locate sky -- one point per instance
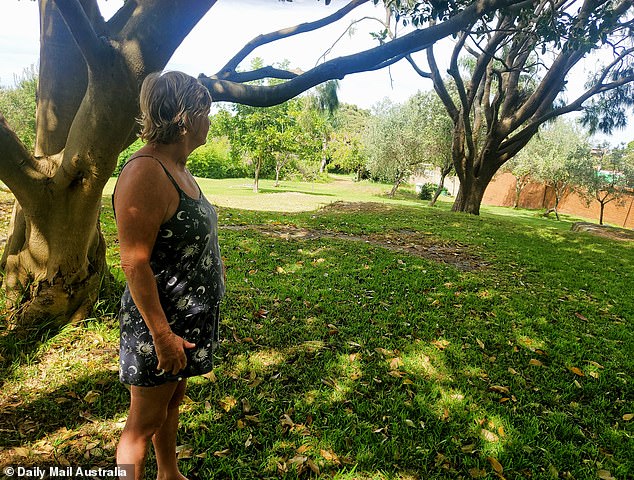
(231, 23)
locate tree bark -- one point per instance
(469, 197)
(256, 180)
(441, 183)
(601, 213)
(397, 183)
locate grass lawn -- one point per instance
(383, 340)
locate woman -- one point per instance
(168, 238)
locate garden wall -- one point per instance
(501, 192)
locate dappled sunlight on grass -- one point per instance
(391, 366)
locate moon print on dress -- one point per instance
(189, 274)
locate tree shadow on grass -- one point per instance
(18, 346)
(48, 427)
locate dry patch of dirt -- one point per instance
(406, 241)
(613, 233)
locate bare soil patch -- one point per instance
(419, 244)
(406, 241)
(606, 231)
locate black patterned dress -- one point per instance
(188, 269)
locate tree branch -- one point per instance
(288, 32)
(259, 74)
(81, 29)
(329, 49)
(17, 166)
(150, 31)
(441, 88)
(338, 68)
(416, 68)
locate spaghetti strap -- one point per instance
(169, 175)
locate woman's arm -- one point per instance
(144, 199)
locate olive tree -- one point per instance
(611, 180)
(561, 157)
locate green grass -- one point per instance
(358, 360)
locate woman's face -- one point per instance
(199, 129)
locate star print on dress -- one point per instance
(187, 265)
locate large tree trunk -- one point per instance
(474, 181)
(90, 71)
(54, 264)
(469, 197)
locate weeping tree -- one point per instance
(89, 76)
(522, 58)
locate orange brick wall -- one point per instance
(501, 192)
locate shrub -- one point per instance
(426, 191)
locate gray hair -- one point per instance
(169, 102)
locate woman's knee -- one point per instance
(146, 424)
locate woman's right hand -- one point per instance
(170, 350)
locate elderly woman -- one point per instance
(171, 259)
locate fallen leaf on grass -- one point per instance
(605, 475)
(580, 317)
(287, 421)
(536, 363)
(297, 460)
(440, 344)
(184, 451)
(91, 396)
(577, 371)
(500, 389)
(302, 449)
(88, 416)
(396, 363)
(628, 416)
(384, 352)
(222, 453)
(489, 436)
(228, 403)
(497, 466)
(330, 456)
(480, 343)
(313, 466)
(477, 473)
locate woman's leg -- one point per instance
(148, 413)
(164, 439)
